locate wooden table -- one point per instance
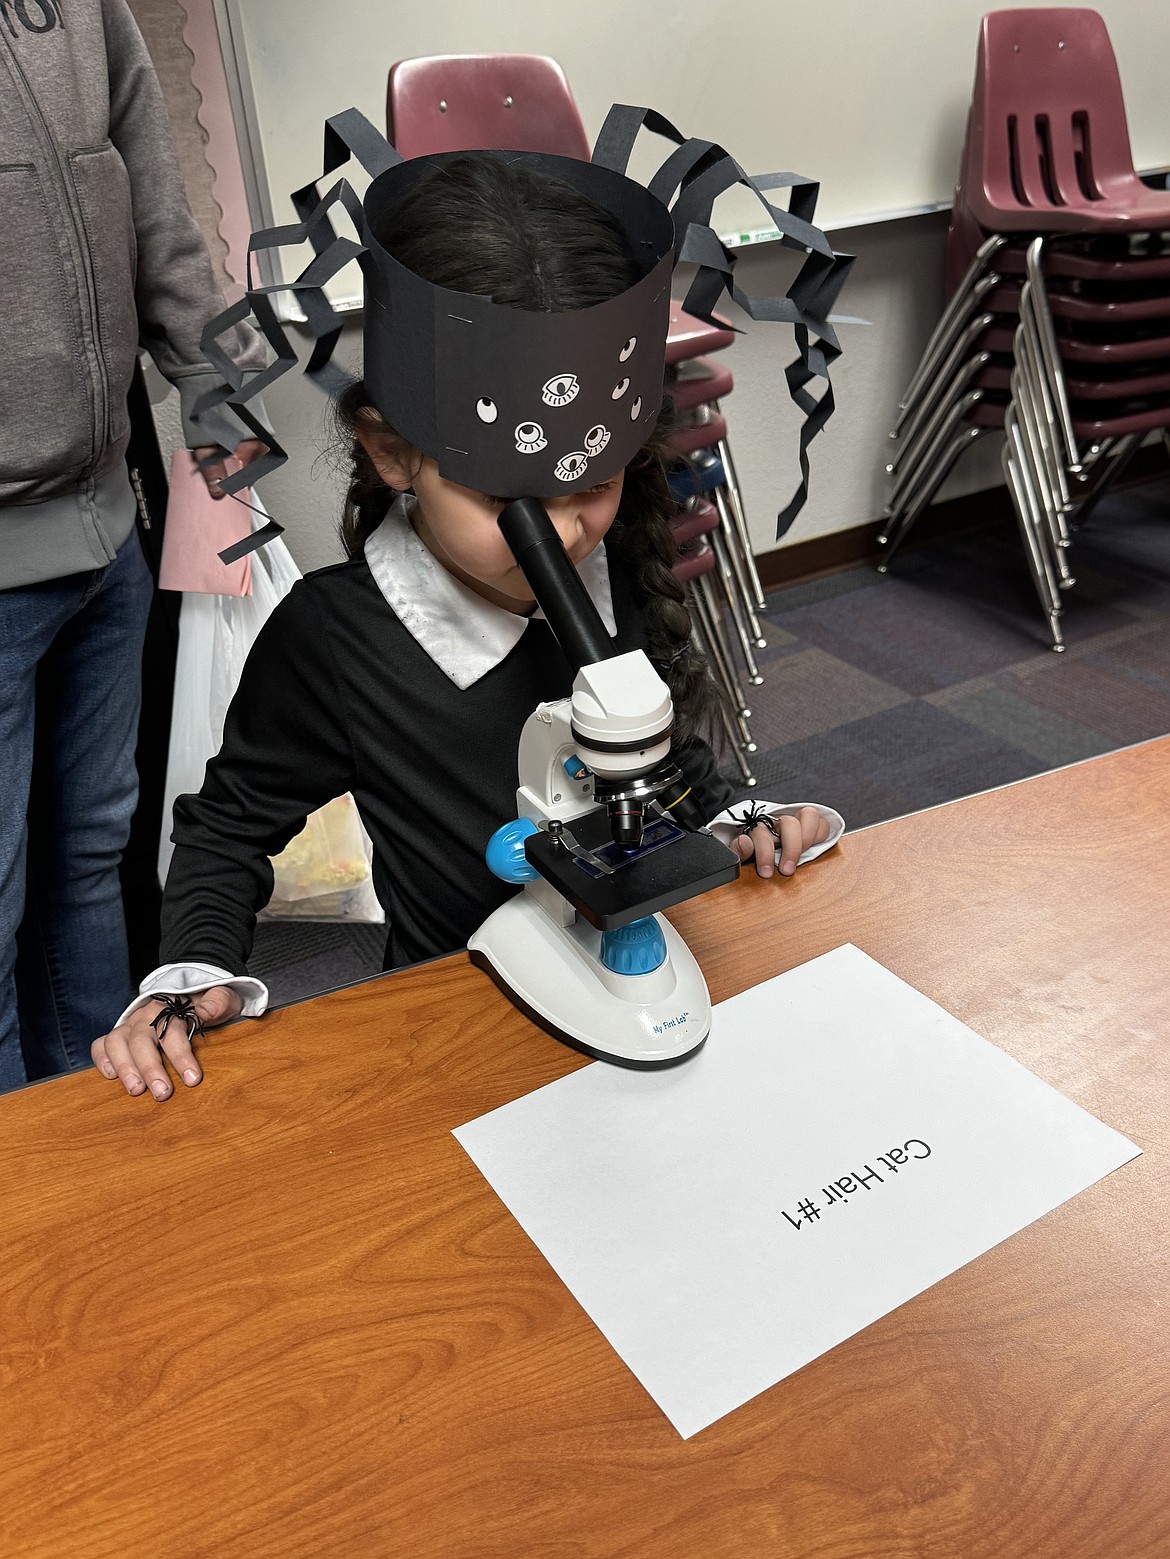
(283, 1317)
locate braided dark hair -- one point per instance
(529, 241)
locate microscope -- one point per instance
(607, 836)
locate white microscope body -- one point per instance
(547, 956)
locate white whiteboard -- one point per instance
(868, 96)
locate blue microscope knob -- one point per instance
(634, 949)
(505, 851)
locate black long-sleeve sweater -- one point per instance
(338, 696)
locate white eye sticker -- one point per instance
(596, 439)
(486, 411)
(636, 409)
(571, 468)
(560, 390)
(627, 349)
(619, 390)
(530, 438)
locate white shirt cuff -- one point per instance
(193, 980)
(729, 823)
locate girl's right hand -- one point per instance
(133, 1052)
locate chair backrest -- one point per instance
(481, 102)
(1047, 130)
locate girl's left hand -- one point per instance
(797, 834)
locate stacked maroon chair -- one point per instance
(1058, 264)
(522, 102)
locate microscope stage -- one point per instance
(650, 881)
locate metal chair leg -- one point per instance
(895, 533)
(1046, 332)
(1029, 356)
(946, 333)
(735, 728)
(734, 723)
(969, 292)
(738, 514)
(749, 778)
(721, 649)
(739, 622)
(735, 558)
(1034, 509)
(1125, 449)
(1015, 471)
(1036, 450)
(934, 438)
(964, 349)
(1096, 453)
(701, 637)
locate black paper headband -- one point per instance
(524, 404)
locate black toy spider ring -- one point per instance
(180, 1007)
(753, 816)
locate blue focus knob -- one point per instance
(634, 949)
(505, 851)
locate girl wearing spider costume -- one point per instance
(404, 674)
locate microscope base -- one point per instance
(554, 975)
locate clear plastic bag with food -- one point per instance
(324, 873)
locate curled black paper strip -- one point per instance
(700, 171)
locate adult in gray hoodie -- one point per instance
(98, 254)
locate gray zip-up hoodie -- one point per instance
(98, 253)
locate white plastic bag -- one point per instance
(324, 874)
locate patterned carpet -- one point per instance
(886, 694)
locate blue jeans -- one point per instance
(70, 690)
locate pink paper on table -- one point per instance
(198, 528)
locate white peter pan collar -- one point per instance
(463, 634)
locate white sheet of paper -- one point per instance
(670, 1202)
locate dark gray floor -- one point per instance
(883, 695)
(300, 958)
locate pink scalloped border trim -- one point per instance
(201, 36)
